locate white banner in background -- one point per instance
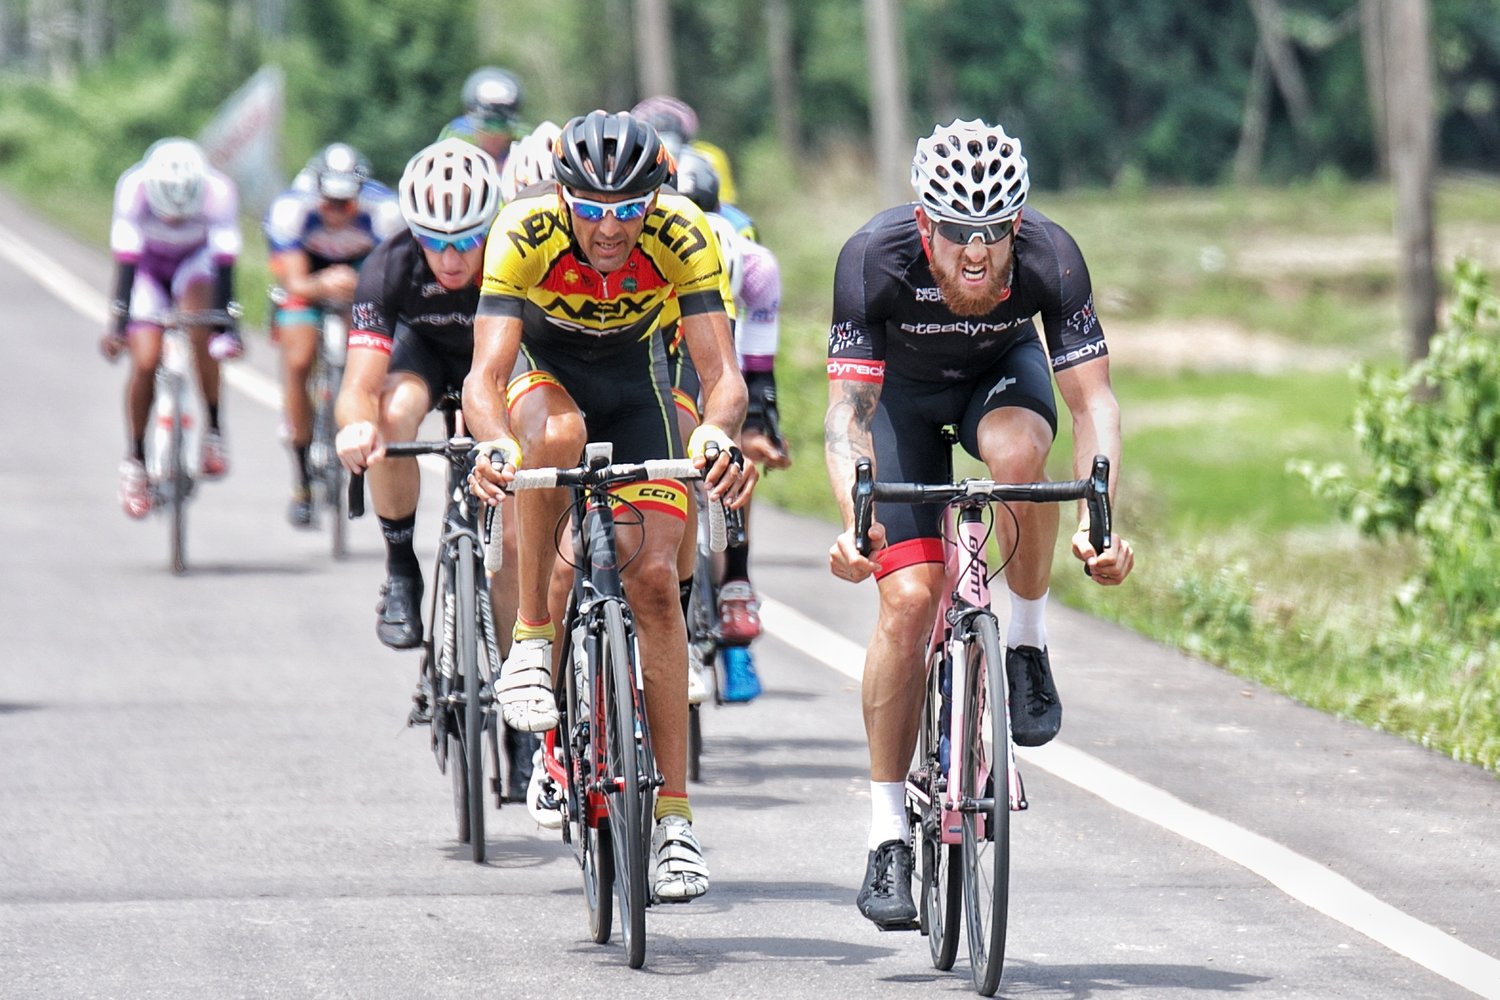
(243, 139)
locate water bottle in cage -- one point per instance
(175, 381)
(335, 338)
(581, 667)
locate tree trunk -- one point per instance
(1247, 158)
(785, 96)
(1283, 63)
(889, 107)
(1409, 99)
(653, 48)
(1372, 45)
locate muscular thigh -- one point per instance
(624, 395)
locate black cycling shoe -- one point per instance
(1035, 711)
(400, 610)
(885, 897)
(300, 511)
(520, 747)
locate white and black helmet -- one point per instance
(451, 188)
(175, 175)
(968, 171)
(731, 251)
(530, 161)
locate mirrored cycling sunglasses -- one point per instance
(463, 244)
(593, 211)
(964, 233)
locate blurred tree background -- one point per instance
(1138, 91)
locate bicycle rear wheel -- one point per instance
(625, 786)
(986, 816)
(942, 886)
(466, 630)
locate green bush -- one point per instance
(1432, 434)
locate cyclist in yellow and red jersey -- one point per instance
(567, 350)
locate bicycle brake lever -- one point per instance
(1098, 505)
(864, 504)
(356, 495)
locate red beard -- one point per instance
(966, 300)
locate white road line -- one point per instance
(1301, 878)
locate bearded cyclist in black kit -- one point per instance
(933, 326)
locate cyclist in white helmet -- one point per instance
(318, 231)
(175, 238)
(529, 162)
(933, 326)
(411, 339)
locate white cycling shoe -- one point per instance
(678, 871)
(524, 690)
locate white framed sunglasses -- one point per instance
(595, 211)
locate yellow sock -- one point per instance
(533, 630)
(673, 805)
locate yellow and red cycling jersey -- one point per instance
(530, 259)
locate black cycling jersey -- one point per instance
(888, 312)
(397, 290)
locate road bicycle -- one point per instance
(173, 454)
(460, 650)
(705, 644)
(600, 755)
(328, 474)
(964, 749)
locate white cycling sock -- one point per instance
(888, 813)
(1028, 621)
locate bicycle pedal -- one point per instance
(905, 925)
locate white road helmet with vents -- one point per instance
(175, 174)
(530, 161)
(449, 189)
(730, 250)
(968, 171)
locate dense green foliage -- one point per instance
(1101, 93)
(1432, 435)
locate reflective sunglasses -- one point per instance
(463, 244)
(594, 211)
(964, 233)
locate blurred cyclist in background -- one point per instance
(492, 109)
(755, 285)
(677, 124)
(175, 237)
(319, 231)
(529, 162)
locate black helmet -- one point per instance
(697, 179)
(610, 154)
(492, 95)
(340, 170)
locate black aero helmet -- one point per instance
(492, 95)
(610, 154)
(697, 180)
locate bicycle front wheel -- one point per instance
(177, 489)
(626, 788)
(986, 804)
(466, 630)
(942, 887)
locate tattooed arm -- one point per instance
(846, 439)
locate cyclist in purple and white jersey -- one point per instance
(175, 237)
(932, 327)
(319, 231)
(755, 286)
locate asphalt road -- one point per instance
(207, 790)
